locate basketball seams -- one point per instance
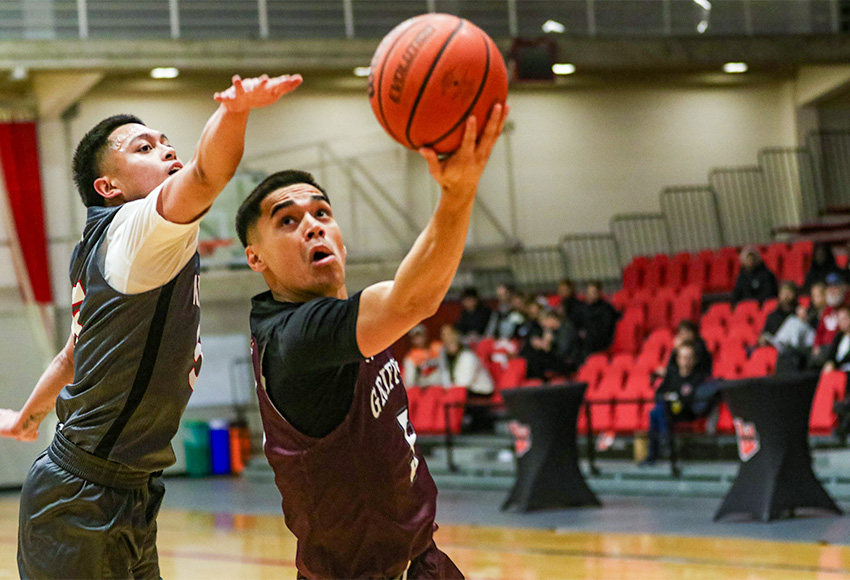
(427, 78)
(474, 101)
(380, 91)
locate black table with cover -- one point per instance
(771, 417)
(544, 429)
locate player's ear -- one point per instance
(255, 262)
(105, 188)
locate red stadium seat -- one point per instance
(721, 272)
(841, 260)
(797, 262)
(762, 362)
(830, 388)
(656, 349)
(430, 406)
(629, 331)
(514, 374)
(713, 335)
(632, 416)
(729, 363)
(642, 299)
(718, 313)
(623, 363)
(455, 399)
(655, 275)
(686, 305)
(413, 396)
(774, 257)
(620, 299)
(660, 309)
(634, 273)
(743, 334)
(746, 312)
(592, 369)
(677, 270)
(608, 388)
(698, 269)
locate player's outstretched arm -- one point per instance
(191, 191)
(23, 425)
(389, 309)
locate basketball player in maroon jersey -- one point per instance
(356, 491)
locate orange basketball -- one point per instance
(429, 74)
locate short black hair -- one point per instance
(249, 211)
(689, 325)
(470, 292)
(88, 158)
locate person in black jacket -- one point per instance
(838, 358)
(688, 332)
(823, 264)
(676, 398)
(755, 280)
(570, 306)
(599, 320)
(474, 316)
(785, 307)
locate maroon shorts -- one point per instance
(432, 564)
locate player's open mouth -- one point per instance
(321, 257)
(175, 168)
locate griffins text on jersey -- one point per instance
(388, 377)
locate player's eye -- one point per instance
(145, 148)
(323, 213)
(287, 221)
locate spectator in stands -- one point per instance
(838, 353)
(474, 316)
(460, 367)
(688, 333)
(599, 320)
(755, 280)
(531, 324)
(508, 315)
(823, 264)
(419, 366)
(817, 304)
(793, 341)
(678, 399)
(836, 294)
(569, 305)
(547, 350)
(785, 307)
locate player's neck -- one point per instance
(302, 295)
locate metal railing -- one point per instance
(830, 152)
(692, 220)
(591, 257)
(640, 234)
(537, 269)
(743, 207)
(272, 19)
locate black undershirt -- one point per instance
(310, 358)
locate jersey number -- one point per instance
(410, 437)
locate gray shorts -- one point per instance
(70, 527)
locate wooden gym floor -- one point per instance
(211, 541)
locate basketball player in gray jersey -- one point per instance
(356, 491)
(90, 501)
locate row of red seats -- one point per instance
(713, 271)
(427, 409)
(662, 308)
(627, 379)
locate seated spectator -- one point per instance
(599, 320)
(550, 350)
(688, 333)
(460, 367)
(531, 324)
(474, 316)
(838, 353)
(569, 305)
(836, 295)
(817, 303)
(823, 264)
(755, 280)
(785, 307)
(419, 366)
(793, 341)
(508, 316)
(678, 398)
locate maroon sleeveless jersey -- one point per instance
(360, 500)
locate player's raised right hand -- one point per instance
(253, 93)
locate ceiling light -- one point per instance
(164, 72)
(704, 4)
(361, 71)
(553, 26)
(563, 68)
(735, 67)
(702, 26)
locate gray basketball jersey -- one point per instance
(136, 358)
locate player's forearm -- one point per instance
(425, 274)
(42, 400)
(219, 151)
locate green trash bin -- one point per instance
(196, 440)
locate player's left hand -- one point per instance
(459, 174)
(11, 426)
(253, 93)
